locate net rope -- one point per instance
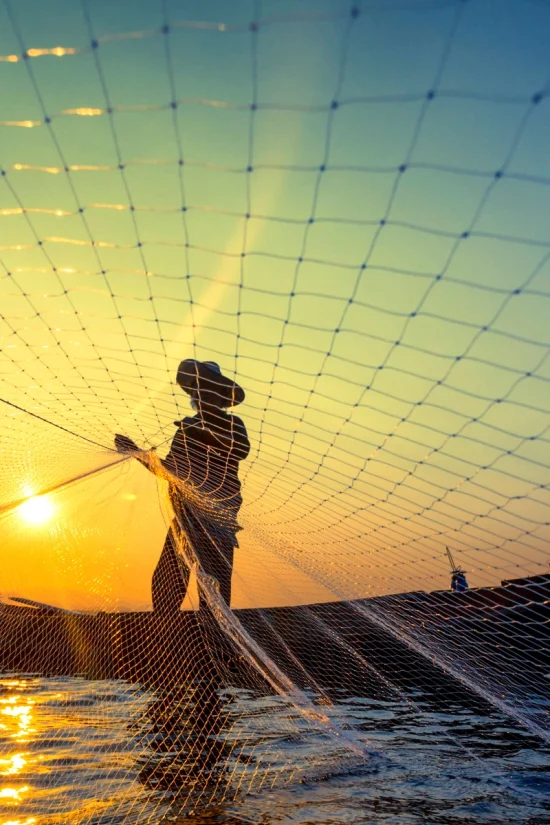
(362, 247)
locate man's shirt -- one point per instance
(211, 466)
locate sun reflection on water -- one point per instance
(16, 713)
(13, 764)
(13, 793)
(59, 740)
(29, 821)
(21, 710)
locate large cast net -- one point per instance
(345, 206)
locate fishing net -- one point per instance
(344, 206)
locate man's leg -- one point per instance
(216, 559)
(224, 570)
(170, 579)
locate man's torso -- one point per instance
(211, 470)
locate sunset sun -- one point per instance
(36, 510)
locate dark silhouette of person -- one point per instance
(458, 581)
(205, 489)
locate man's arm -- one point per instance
(125, 445)
(233, 441)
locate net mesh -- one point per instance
(344, 206)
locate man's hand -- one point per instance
(124, 444)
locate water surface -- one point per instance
(79, 751)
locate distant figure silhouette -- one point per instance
(458, 581)
(206, 451)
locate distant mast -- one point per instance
(458, 576)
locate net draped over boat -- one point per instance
(345, 206)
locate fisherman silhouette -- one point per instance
(458, 581)
(205, 454)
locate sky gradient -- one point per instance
(346, 206)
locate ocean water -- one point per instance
(79, 751)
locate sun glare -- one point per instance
(36, 510)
